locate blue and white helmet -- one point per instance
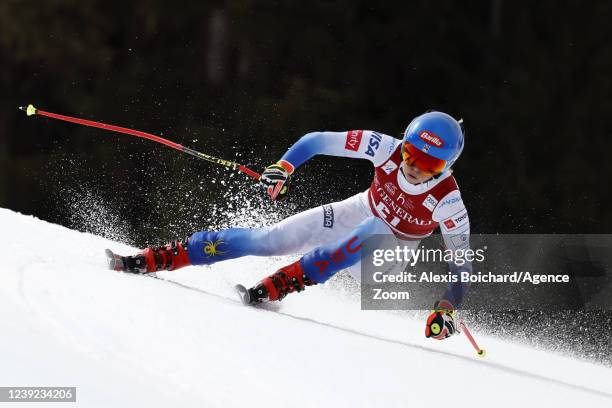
(434, 140)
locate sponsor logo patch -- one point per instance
(461, 218)
(390, 187)
(389, 166)
(353, 140)
(373, 144)
(405, 201)
(431, 138)
(455, 222)
(392, 146)
(211, 248)
(450, 201)
(328, 216)
(460, 241)
(449, 224)
(430, 202)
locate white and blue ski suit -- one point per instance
(331, 236)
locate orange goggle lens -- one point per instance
(414, 157)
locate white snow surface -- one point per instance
(126, 340)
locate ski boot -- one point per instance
(288, 279)
(153, 259)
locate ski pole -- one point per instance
(31, 110)
(480, 352)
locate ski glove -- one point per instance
(441, 322)
(275, 179)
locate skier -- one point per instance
(413, 193)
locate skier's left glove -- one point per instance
(275, 179)
(441, 322)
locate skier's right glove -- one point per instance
(441, 322)
(275, 179)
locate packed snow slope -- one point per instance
(127, 341)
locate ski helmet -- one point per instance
(433, 141)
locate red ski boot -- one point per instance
(288, 279)
(153, 259)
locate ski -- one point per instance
(127, 264)
(114, 261)
(243, 293)
(256, 296)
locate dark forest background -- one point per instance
(244, 79)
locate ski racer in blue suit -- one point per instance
(412, 194)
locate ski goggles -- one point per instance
(424, 162)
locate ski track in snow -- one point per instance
(472, 360)
(185, 340)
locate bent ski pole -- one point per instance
(31, 110)
(480, 352)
